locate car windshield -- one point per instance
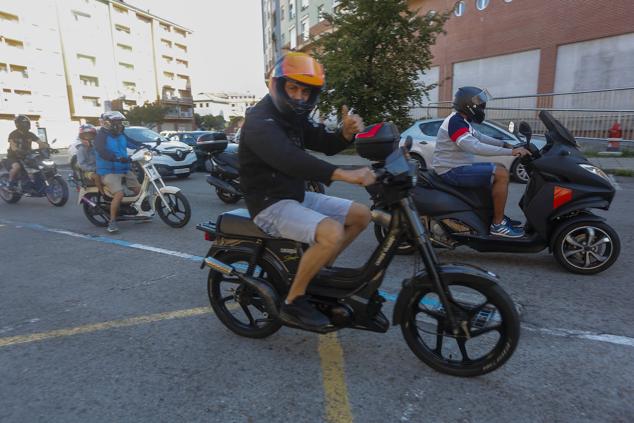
(141, 134)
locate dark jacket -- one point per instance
(23, 141)
(273, 163)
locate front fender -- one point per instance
(449, 273)
(169, 190)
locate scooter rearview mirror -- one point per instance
(526, 130)
(512, 127)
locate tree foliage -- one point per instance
(210, 122)
(149, 114)
(373, 58)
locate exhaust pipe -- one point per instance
(223, 185)
(263, 290)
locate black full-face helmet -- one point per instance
(22, 123)
(471, 101)
(303, 70)
(114, 122)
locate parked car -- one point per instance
(191, 137)
(423, 133)
(176, 158)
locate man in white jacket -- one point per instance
(458, 142)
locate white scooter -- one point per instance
(154, 197)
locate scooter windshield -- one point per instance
(558, 132)
(396, 163)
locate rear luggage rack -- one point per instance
(209, 228)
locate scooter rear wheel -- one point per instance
(227, 197)
(99, 214)
(237, 307)
(486, 311)
(7, 195)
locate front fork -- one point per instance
(430, 260)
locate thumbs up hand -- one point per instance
(351, 123)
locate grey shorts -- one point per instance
(291, 219)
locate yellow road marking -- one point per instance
(178, 314)
(335, 390)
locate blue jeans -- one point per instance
(470, 176)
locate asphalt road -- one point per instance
(98, 327)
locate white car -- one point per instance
(423, 133)
(176, 158)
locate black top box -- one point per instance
(377, 141)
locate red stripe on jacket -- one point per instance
(458, 134)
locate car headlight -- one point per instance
(48, 162)
(147, 156)
(596, 171)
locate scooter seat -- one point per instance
(475, 197)
(238, 223)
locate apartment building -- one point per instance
(224, 104)
(512, 47)
(71, 60)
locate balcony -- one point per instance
(179, 114)
(167, 99)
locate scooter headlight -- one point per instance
(596, 171)
(48, 163)
(147, 156)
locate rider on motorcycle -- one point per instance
(113, 163)
(86, 157)
(20, 141)
(274, 167)
(458, 142)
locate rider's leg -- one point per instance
(132, 182)
(357, 219)
(114, 205)
(499, 191)
(14, 172)
(329, 237)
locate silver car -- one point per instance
(423, 133)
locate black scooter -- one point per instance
(455, 318)
(224, 170)
(563, 187)
(39, 178)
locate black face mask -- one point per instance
(476, 113)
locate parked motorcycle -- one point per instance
(455, 318)
(564, 186)
(224, 169)
(39, 178)
(154, 197)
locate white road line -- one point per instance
(566, 333)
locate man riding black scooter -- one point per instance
(458, 142)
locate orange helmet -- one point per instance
(302, 69)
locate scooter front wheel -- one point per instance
(587, 247)
(489, 326)
(6, 194)
(57, 191)
(176, 211)
(404, 247)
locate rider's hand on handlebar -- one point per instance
(520, 151)
(363, 176)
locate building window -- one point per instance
(8, 17)
(166, 43)
(282, 12)
(168, 75)
(292, 33)
(507, 1)
(129, 85)
(320, 13)
(91, 101)
(180, 32)
(181, 47)
(3, 68)
(122, 28)
(305, 29)
(181, 62)
(21, 70)
(459, 10)
(206, 104)
(124, 47)
(165, 27)
(22, 92)
(305, 4)
(13, 43)
(291, 9)
(127, 66)
(167, 59)
(86, 59)
(482, 4)
(89, 81)
(120, 10)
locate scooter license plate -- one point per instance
(153, 173)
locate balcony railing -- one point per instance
(177, 100)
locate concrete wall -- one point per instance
(505, 75)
